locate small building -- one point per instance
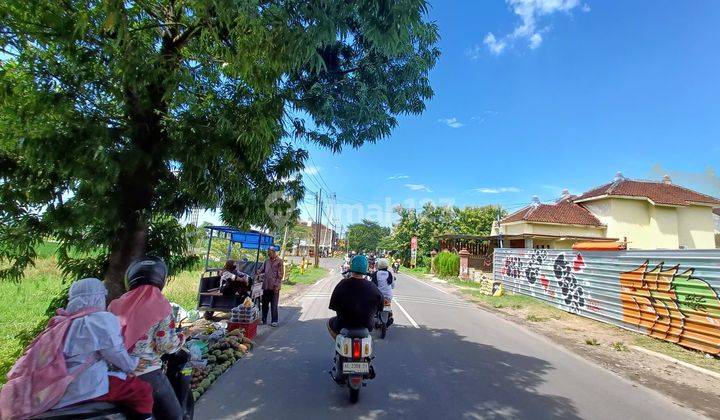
(646, 214)
(305, 244)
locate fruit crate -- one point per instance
(250, 328)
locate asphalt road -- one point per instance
(444, 358)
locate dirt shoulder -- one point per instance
(609, 346)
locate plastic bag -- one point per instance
(179, 313)
(197, 349)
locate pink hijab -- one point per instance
(138, 310)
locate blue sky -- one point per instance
(563, 94)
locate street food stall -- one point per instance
(210, 298)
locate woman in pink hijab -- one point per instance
(148, 326)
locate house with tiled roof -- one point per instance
(646, 214)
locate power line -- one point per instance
(319, 174)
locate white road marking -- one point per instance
(428, 285)
(407, 315)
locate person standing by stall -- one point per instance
(272, 271)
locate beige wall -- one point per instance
(602, 209)
(551, 229)
(663, 230)
(525, 228)
(658, 227)
(696, 227)
(629, 218)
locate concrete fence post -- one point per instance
(464, 263)
(433, 254)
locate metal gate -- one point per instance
(667, 294)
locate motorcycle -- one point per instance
(352, 364)
(383, 319)
(396, 267)
(177, 372)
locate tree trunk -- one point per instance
(141, 174)
(129, 247)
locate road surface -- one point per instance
(444, 358)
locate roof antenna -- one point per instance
(619, 176)
(667, 180)
(535, 200)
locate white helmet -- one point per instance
(382, 264)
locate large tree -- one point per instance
(477, 220)
(432, 221)
(366, 236)
(117, 117)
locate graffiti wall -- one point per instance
(669, 294)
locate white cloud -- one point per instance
(399, 176)
(418, 187)
(535, 41)
(497, 190)
(451, 122)
(496, 47)
(311, 170)
(474, 52)
(529, 30)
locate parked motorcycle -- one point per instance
(383, 319)
(352, 364)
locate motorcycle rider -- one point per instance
(384, 280)
(371, 262)
(355, 300)
(148, 326)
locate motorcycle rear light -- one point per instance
(356, 351)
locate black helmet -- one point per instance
(147, 270)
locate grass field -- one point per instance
(311, 275)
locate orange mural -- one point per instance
(672, 305)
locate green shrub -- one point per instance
(447, 264)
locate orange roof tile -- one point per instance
(658, 192)
(564, 212)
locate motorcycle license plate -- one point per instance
(356, 367)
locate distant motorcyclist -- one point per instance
(396, 265)
(372, 260)
(355, 300)
(384, 280)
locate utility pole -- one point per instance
(318, 215)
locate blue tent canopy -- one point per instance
(247, 240)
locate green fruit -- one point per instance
(211, 377)
(205, 383)
(238, 354)
(196, 395)
(222, 358)
(212, 359)
(232, 360)
(217, 353)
